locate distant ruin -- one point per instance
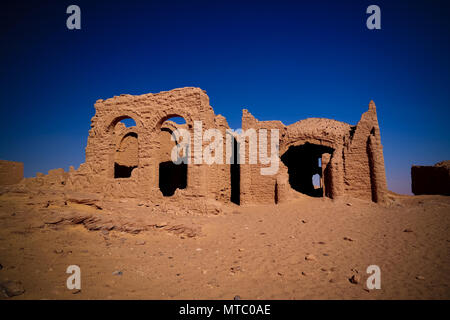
(134, 161)
(431, 179)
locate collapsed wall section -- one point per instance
(364, 174)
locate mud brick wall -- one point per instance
(430, 180)
(134, 161)
(10, 172)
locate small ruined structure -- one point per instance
(431, 179)
(134, 161)
(10, 172)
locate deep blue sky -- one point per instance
(281, 60)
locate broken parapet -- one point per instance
(11, 172)
(431, 179)
(55, 179)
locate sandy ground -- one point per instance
(253, 252)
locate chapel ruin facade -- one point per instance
(134, 161)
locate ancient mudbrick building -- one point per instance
(431, 179)
(134, 161)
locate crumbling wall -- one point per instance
(257, 188)
(54, 179)
(431, 179)
(364, 174)
(150, 112)
(11, 172)
(327, 133)
(221, 186)
(352, 159)
(351, 156)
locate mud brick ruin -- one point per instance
(11, 172)
(134, 162)
(431, 179)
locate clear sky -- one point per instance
(282, 60)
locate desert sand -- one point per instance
(304, 249)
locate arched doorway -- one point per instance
(126, 155)
(171, 176)
(307, 173)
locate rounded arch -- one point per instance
(171, 114)
(172, 176)
(325, 132)
(112, 120)
(126, 155)
(130, 133)
(171, 126)
(284, 146)
(126, 132)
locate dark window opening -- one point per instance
(122, 171)
(126, 156)
(352, 131)
(235, 174)
(276, 193)
(171, 177)
(303, 164)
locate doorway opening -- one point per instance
(235, 173)
(171, 176)
(305, 168)
(126, 157)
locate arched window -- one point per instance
(123, 124)
(126, 156)
(171, 176)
